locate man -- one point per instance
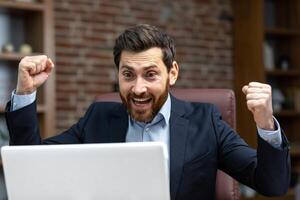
(199, 142)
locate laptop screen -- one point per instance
(132, 171)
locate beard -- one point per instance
(145, 115)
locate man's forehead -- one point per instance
(151, 54)
(145, 59)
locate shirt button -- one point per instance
(147, 129)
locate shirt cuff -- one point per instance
(20, 101)
(272, 137)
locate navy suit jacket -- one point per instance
(200, 143)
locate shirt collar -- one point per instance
(165, 110)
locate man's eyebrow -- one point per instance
(144, 68)
(126, 67)
(150, 67)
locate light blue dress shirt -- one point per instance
(158, 129)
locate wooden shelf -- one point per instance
(33, 24)
(40, 109)
(39, 34)
(11, 56)
(22, 5)
(295, 150)
(14, 56)
(279, 72)
(287, 113)
(282, 32)
(275, 23)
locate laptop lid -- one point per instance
(127, 171)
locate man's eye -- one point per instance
(151, 74)
(127, 75)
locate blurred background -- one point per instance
(219, 43)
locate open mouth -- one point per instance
(141, 101)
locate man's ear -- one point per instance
(173, 73)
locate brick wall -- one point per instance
(85, 31)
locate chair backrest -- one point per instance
(226, 187)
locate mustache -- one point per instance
(143, 95)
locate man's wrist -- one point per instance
(273, 137)
(269, 125)
(20, 92)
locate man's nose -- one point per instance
(139, 87)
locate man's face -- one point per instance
(144, 82)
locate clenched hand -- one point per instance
(33, 72)
(259, 102)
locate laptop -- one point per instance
(127, 171)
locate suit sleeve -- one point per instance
(267, 169)
(23, 128)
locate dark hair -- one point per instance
(143, 37)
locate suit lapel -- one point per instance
(118, 124)
(178, 136)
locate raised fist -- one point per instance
(259, 102)
(33, 72)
